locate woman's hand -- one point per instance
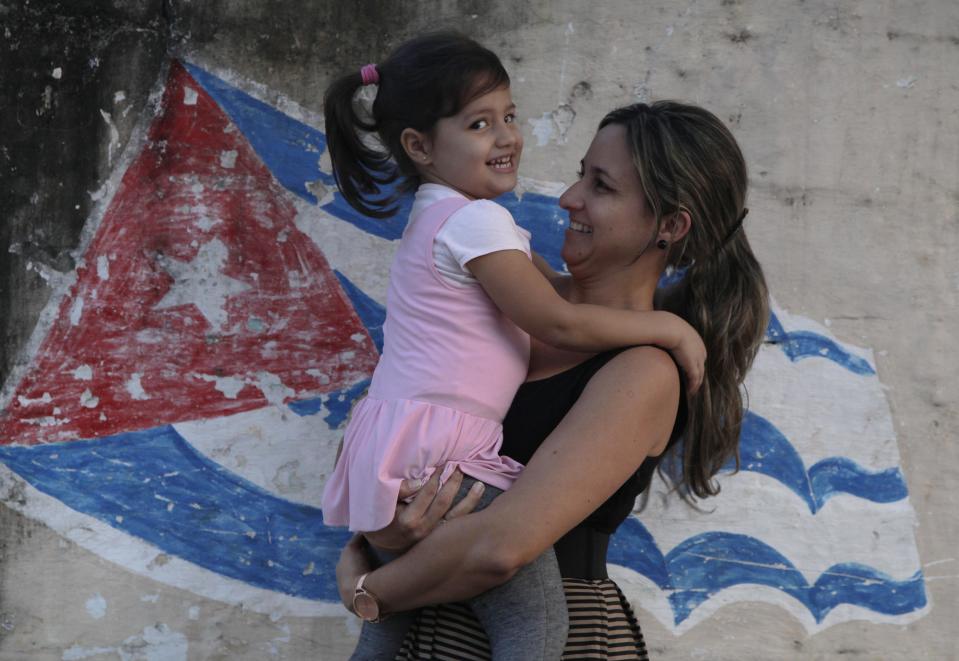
(429, 508)
(354, 562)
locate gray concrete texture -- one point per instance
(848, 113)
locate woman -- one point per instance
(661, 186)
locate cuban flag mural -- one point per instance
(187, 388)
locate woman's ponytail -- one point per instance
(724, 298)
(688, 161)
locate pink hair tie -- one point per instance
(369, 74)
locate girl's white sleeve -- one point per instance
(479, 228)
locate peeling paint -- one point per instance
(76, 311)
(114, 143)
(135, 387)
(103, 267)
(87, 399)
(96, 606)
(906, 83)
(99, 194)
(77, 653)
(319, 375)
(542, 128)
(156, 643)
(206, 223)
(228, 159)
(230, 386)
(46, 398)
(553, 125)
(272, 388)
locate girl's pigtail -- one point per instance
(362, 168)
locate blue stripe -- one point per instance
(337, 404)
(764, 449)
(218, 520)
(806, 344)
(705, 564)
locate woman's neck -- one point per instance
(546, 360)
(614, 292)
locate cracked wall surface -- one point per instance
(846, 113)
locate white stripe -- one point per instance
(278, 450)
(847, 529)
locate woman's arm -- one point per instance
(521, 292)
(625, 413)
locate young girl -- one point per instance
(463, 300)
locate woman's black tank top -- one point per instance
(537, 409)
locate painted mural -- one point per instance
(187, 389)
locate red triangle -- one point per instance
(197, 279)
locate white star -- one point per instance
(202, 283)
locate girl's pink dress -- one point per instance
(451, 364)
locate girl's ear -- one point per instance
(417, 146)
(675, 227)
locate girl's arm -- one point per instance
(625, 413)
(521, 292)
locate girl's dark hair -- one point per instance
(688, 160)
(422, 81)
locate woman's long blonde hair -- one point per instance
(688, 160)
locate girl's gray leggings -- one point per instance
(525, 619)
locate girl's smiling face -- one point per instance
(477, 150)
(610, 223)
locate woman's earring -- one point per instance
(662, 244)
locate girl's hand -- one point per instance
(690, 353)
(353, 563)
(429, 508)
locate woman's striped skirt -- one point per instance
(601, 626)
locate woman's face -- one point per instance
(610, 224)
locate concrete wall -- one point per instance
(182, 289)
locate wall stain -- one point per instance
(741, 37)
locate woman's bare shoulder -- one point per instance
(644, 366)
(638, 392)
